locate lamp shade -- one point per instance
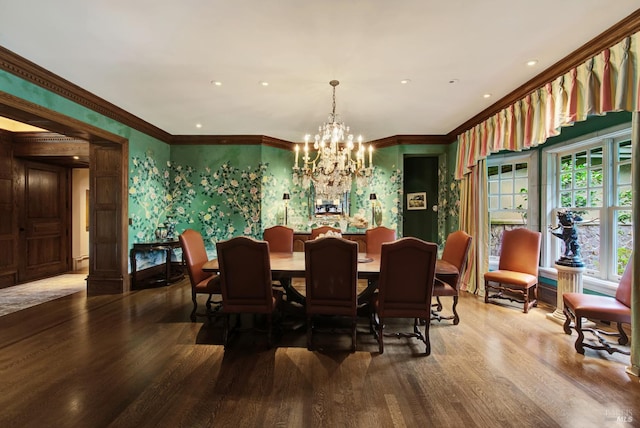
(372, 196)
(286, 197)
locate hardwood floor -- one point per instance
(136, 360)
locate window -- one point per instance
(592, 178)
(510, 203)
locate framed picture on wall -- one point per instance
(417, 201)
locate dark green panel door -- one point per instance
(420, 197)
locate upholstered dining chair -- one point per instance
(517, 272)
(601, 308)
(455, 253)
(280, 239)
(375, 237)
(331, 273)
(195, 255)
(407, 272)
(245, 277)
(322, 230)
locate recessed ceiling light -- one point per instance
(405, 81)
(264, 83)
(454, 81)
(198, 125)
(76, 157)
(487, 95)
(532, 62)
(216, 83)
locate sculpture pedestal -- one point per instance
(569, 281)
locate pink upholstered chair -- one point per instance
(245, 276)
(517, 270)
(195, 255)
(600, 308)
(375, 237)
(407, 272)
(456, 251)
(280, 239)
(331, 266)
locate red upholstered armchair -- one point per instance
(195, 255)
(601, 308)
(280, 239)
(331, 266)
(245, 276)
(377, 236)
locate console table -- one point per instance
(166, 245)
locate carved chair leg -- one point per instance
(526, 300)
(624, 339)
(486, 291)
(195, 306)
(427, 342)
(567, 322)
(225, 331)
(380, 336)
(456, 318)
(439, 306)
(580, 339)
(353, 335)
(535, 296)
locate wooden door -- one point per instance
(43, 220)
(8, 229)
(421, 176)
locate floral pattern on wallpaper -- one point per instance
(387, 185)
(222, 203)
(448, 203)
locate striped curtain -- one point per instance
(609, 81)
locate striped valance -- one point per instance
(609, 81)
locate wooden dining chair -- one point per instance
(322, 230)
(455, 253)
(517, 272)
(600, 308)
(195, 255)
(331, 273)
(245, 277)
(407, 272)
(374, 238)
(280, 239)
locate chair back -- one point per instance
(195, 255)
(377, 236)
(520, 251)
(623, 293)
(280, 239)
(456, 250)
(331, 272)
(245, 275)
(323, 230)
(407, 272)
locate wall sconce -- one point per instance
(373, 198)
(285, 198)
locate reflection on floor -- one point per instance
(13, 299)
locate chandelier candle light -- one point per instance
(337, 163)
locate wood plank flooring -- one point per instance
(135, 360)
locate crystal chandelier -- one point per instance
(337, 162)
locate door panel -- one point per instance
(44, 216)
(8, 229)
(421, 175)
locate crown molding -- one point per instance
(237, 140)
(628, 26)
(31, 72)
(398, 140)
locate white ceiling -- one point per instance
(157, 59)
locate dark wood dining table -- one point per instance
(285, 266)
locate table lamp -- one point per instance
(285, 198)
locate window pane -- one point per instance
(596, 156)
(624, 196)
(595, 198)
(522, 170)
(565, 180)
(624, 151)
(581, 179)
(522, 184)
(522, 202)
(506, 171)
(492, 171)
(506, 202)
(581, 198)
(494, 187)
(589, 239)
(595, 177)
(565, 199)
(581, 160)
(566, 163)
(624, 174)
(624, 240)
(494, 203)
